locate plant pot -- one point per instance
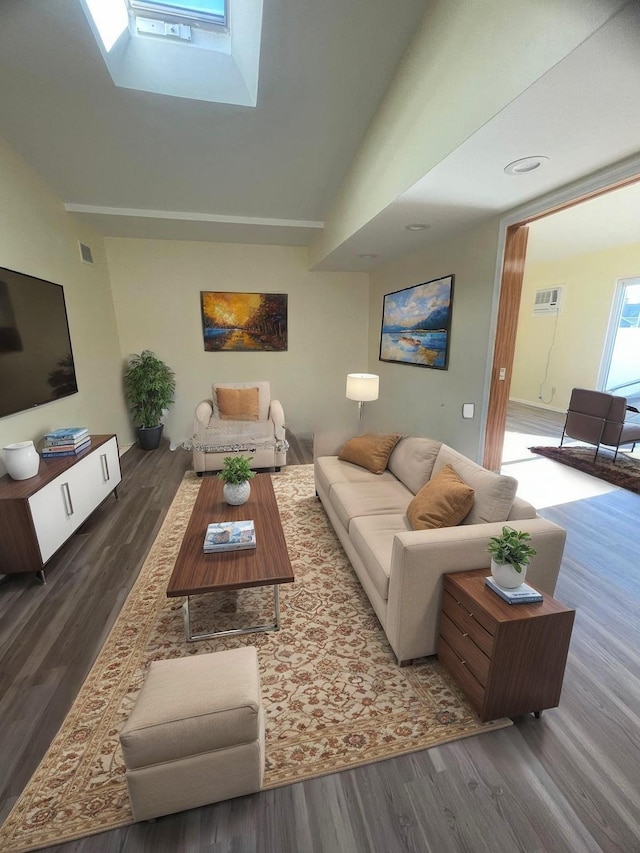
(21, 460)
(236, 493)
(506, 576)
(149, 437)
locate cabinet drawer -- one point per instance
(58, 509)
(462, 644)
(467, 622)
(471, 687)
(472, 606)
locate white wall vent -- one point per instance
(85, 253)
(547, 301)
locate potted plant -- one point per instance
(149, 385)
(236, 473)
(511, 553)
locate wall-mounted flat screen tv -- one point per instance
(36, 359)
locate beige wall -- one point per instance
(429, 402)
(156, 290)
(571, 342)
(38, 238)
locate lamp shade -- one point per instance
(362, 386)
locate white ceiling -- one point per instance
(324, 68)
(269, 174)
(604, 222)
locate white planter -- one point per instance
(21, 460)
(506, 576)
(236, 493)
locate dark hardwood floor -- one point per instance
(569, 781)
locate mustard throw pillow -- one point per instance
(371, 451)
(442, 502)
(238, 404)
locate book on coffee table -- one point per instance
(523, 594)
(229, 536)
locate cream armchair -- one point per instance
(240, 418)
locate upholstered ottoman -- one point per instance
(196, 733)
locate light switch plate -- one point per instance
(468, 410)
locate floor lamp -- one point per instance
(362, 387)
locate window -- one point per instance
(193, 11)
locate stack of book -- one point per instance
(523, 594)
(229, 536)
(68, 441)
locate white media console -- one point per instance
(38, 515)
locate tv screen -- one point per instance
(36, 359)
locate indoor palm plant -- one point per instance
(510, 556)
(149, 385)
(236, 473)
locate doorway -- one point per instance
(506, 325)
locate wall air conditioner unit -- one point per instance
(547, 301)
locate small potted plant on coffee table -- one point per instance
(511, 553)
(235, 474)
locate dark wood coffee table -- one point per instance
(267, 564)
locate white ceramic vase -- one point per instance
(236, 493)
(21, 460)
(506, 576)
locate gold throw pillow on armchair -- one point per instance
(238, 404)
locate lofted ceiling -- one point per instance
(137, 164)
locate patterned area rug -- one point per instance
(624, 472)
(333, 694)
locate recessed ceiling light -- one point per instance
(416, 226)
(525, 165)
(367, 256)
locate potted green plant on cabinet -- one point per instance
(235, 474)
(149, 386)
(511, 553)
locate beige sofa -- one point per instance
(401, 569)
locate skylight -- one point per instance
(200, 49)
(207, 11)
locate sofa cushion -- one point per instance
(370, 450)
(372, 537)
(521, 509)
(350, 500)
(412, 461)
(494, 493)
(442, 502)
(238, 404)
(330, 470)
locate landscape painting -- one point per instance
(244, 322)
(416, 324)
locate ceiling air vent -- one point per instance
(85, 253)
(547, 301)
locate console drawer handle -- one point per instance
(105, 466)
(66, 493)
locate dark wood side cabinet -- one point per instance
(38, 515)
(509, 659)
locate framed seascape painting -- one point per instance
(416, 324)
(244, 322)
